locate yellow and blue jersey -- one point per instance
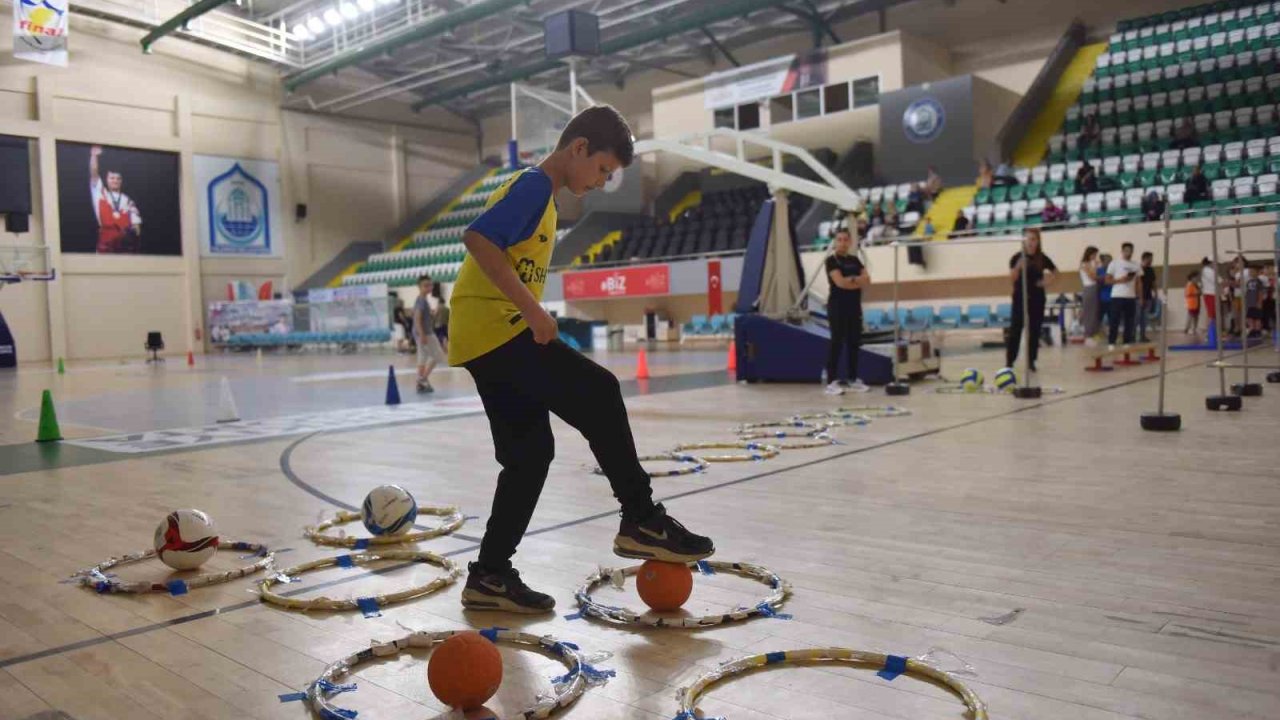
(520, 217)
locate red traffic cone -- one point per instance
(642, 365)
(733, 356)
(191, 359)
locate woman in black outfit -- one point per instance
(1040, 272)
(847, 276)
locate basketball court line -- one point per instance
(30, 457)
(79, 645)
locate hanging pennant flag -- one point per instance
(40, 31)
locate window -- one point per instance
(835, 98)
(781, 109)
(808, 104)
(724, 118)
(749, 116)
(866, 92)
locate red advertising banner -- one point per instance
(715, 293)
(617, 282)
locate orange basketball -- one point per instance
(663, 585)
(465, 671)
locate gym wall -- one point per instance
(358, 178)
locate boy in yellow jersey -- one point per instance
(502, 335)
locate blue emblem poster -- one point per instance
(239, 207)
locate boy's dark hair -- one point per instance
(1193, 275)
(604, 129)
(1148, 254)
(1126, 245)
(422, 278)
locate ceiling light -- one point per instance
(349, 11)
(332, 17)
(301, 32)
(387, 2)
(366, 5)
(315, 25)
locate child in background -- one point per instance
(1192, 293)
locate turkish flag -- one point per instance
(715, 293)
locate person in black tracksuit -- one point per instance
(1040, 272)
(847, 276)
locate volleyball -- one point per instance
(388, 510)
(1005, 379)
(971, 380)
(186, 539)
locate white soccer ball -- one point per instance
(388, 510)
(186, 539)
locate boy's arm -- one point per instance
(494, 264)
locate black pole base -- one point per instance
(897, 388)
(1223, 403)
(1027, 393)
(1273, 377)
(1161, 422)
(1247, 389)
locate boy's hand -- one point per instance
(544, 326)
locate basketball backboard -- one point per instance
(22, 263)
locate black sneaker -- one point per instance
(661, 537)
(503, 591)
(844, 384)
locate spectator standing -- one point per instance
(929, 230)
(1148, 295)
(1192, 294)
(986, 175)
(847, 276)
(1254, 293)
(430, 353)
(441, 311)
(1209, 290)
(1039, 273)
(1124, 276)
(1269, 299)
(1090, 298)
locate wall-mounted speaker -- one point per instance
(17, 222)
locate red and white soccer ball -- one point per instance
(186, 539)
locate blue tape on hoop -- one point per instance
(176, 587)
(337, 713)
(369, 607)
(491, 634)
(573, 616)
(766, 610)
(774, 657)
(346, 561)
(705, 568)
(361, 544)
(893, 667)
(292, 697)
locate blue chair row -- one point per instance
(715, 325)
(948, 317)
(304, 338)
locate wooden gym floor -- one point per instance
(1085, 569)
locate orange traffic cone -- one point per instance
(733, 356)
(191, 359)
(642, 366)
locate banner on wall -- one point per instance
(239, 207)
(715, 291)
(249, 316)
(40, 31)
(118, 200)
(349, 309)
(619, 282)
(764, 80)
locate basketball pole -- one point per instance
(895, 386)
(1221, 401)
